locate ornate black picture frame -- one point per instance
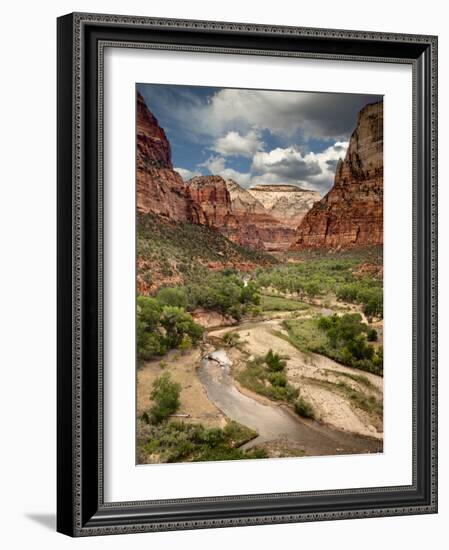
(81, 510)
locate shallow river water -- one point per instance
(273, 422)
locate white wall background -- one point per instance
(27, 289)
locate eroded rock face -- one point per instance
(287, 203)
(212, 196)
(351, 214)
(160, 190)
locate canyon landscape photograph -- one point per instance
(259, 267)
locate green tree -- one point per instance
(150, 344)
(172, 296)
(150, 341)
(177, 323)
(165, 395)
(148, 312)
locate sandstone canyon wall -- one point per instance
(160, 190)
(351, 214)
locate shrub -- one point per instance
(165, 395)
(259, 377)
(274, 361)
(304, 408)
(231, 338)
(186, 343)
(278, 379)
(176, 441)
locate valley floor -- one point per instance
(347, 403)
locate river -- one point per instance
(274, 422)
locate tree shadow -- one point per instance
(47, 520)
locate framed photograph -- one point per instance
(247, 274)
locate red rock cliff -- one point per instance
(351, 214)
(160, 190)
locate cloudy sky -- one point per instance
(256, 136)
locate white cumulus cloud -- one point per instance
(287, 162)
(235, 144)
(288, 165)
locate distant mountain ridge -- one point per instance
(287, 203)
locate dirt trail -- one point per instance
(317, 377)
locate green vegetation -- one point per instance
(231, 339)
(315, 277)
(178, 324)
(186, 343)
(319, 277)
(160, 328)
(363, 291)
(163, 440)
(224, 292)
(172, 296)
(176, 441)
(304, 408)
(164, 322)
(366, 254)
(341, 338)
(278, 303)
(181, 249)
(266, 375)
(165, 396)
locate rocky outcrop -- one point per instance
(351, 214)
(160, 190)
(287, 203)
(211, 194)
